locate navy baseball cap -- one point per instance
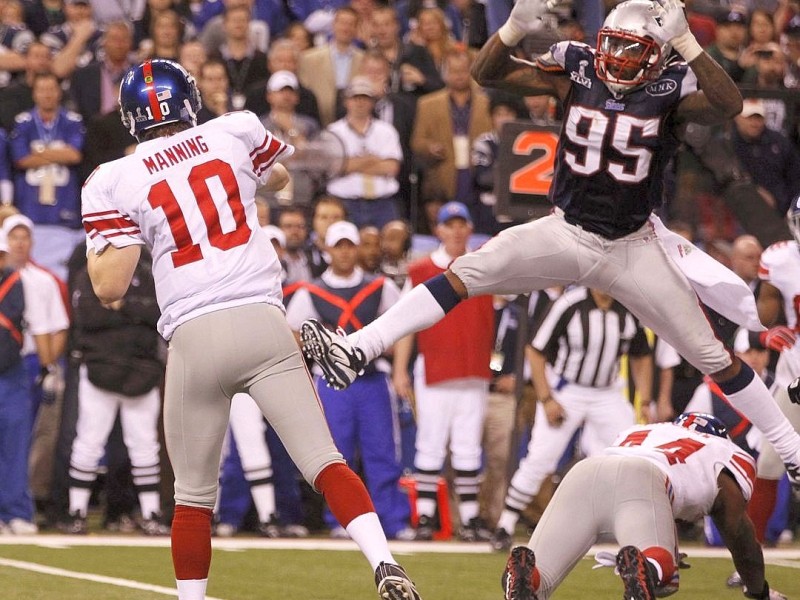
(453, 210)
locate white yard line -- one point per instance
(115, 581)
(254, 543)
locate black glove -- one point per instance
(794, 391)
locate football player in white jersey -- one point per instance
(187, 194)
(650, 476)
(779, 295)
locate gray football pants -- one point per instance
(212, 357)
(602, 498)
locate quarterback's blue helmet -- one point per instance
(157, 92)
(702, 423)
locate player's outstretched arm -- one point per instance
(111, 271)
(494, 66)
(737, 531)
(278, 178)
(718, 99)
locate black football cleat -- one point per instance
(637, 574)
(394, 584)
(519, 578)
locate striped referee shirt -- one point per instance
(587, 341)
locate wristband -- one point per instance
(510, 34)
(687, 46)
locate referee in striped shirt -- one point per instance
(585, 334)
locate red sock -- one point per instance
(665, 561)
(191, 542)
(762, 503)
(344, 492)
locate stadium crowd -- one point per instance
(418, 141)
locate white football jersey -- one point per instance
(780, 266)
(189, 198)
(692, 462)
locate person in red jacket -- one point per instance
(451, 384)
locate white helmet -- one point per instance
(627, 56)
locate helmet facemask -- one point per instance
(624, 61)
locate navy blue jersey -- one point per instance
(612, 150)
(49, 194)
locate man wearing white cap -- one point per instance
(368, 185)
(283, 95)
(16, 505)
(44, 342)
(362, 418)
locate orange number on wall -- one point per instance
(535, 177)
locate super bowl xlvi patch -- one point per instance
(612, 104)
(580, 77)
(663, 87)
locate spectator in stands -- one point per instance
(730, 42)
(364, 9)
(327, 210)
(16, 506)
(245, 63)
(369, 249)
(296, 258)
(45, 338)
(46, 147)
(770, 74)
(768, 156)
(283, 96)
(143, 27)
(484, 152)
(6, 185)
(422, 72)
(791, 43)
(192, 56)
(15, 37)
(396, 109)
(451, 385)
(368, 184)
(317, 16)
(283, 56)
(745, 255)
(386, 32)
(214, 90)
(327, 70)
(213, 32)
(299, 36)
(541, 110)
(409, 13)
(76, 42)
(164, 38)
(587, 332)
(18, 97)
(395, 245)
(361, 418)
(448, 121)
(41, 15)
(94, 89)
(120, 373)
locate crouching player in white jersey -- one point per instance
(187, 194)
(650, 476)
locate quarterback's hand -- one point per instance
(51, 381)
(525, 18)
(794, 391)
(778, 338)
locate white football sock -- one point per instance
(414, 312)
(366, 531)
(756, 403)
(192, 589)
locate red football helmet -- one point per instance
(626, 56)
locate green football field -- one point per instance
(120, 568)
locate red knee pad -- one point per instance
(344, 492)
(191, 542)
